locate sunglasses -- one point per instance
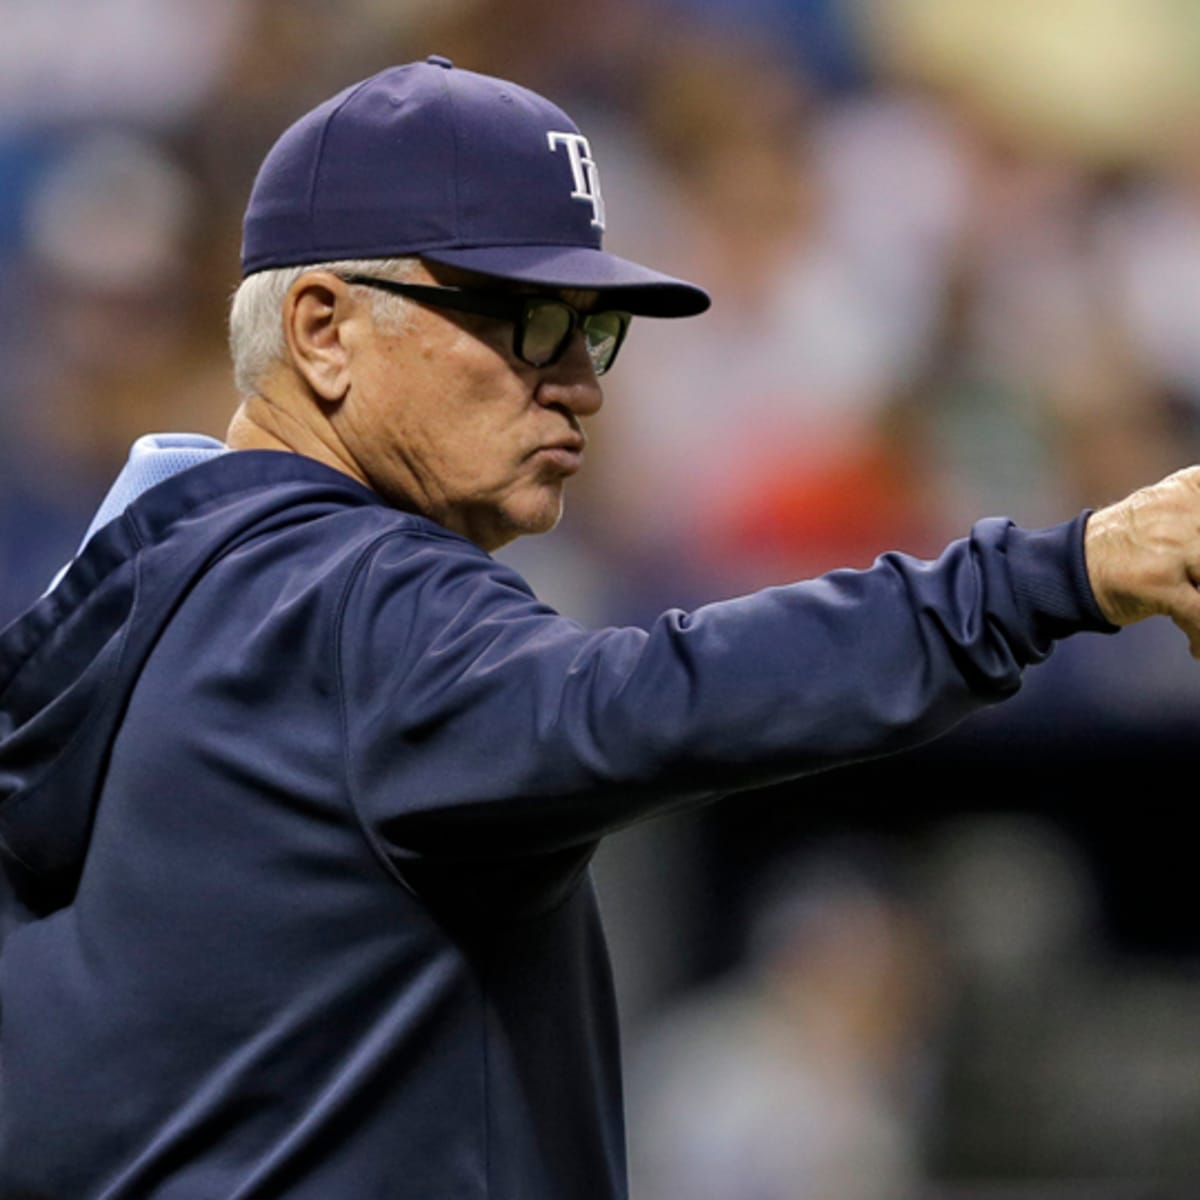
(542, 325)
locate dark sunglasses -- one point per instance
(542, 325)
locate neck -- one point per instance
(263, 422)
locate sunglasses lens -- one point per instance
(603, 333)
(546, 326)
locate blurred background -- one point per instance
(954, 250)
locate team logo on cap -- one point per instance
(584, 172)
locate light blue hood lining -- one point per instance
(153, 459)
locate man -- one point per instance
(299, 787)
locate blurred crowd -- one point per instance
(954, 251)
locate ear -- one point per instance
(315, 313)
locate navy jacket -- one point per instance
(297, 799)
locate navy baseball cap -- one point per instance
(457, 168)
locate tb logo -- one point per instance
(584, 171)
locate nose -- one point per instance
(571, 382)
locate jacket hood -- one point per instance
(67, 667)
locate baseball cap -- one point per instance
(458, 168)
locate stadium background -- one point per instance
(954, 248)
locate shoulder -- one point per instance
(414, 578)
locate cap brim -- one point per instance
(626, 285)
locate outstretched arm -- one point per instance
(479, 721)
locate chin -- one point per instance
(538, 519)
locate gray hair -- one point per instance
(256, 341)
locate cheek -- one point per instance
(456, 412)
(484, 409)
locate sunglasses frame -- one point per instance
(516, 307)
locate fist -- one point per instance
(1143, 555)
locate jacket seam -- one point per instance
(352, 801)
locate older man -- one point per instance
(299, 787)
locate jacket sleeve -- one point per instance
(477, 721)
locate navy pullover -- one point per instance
(297, 799)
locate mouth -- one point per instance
(565, 457)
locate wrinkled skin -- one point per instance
(1143, 555)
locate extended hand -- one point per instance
(1143, 555)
